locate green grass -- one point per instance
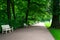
(54, 32)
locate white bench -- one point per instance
(6, 28)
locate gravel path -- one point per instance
(31, 33)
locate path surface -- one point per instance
(31, 33)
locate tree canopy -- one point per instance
(38, 10)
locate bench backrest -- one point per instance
(5, 26)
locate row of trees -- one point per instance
(18, 12)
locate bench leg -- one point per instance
(6, 31)
(2, 32)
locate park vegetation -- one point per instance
(17, 12)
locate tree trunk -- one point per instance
(13, 10)
(27, 11)
(55, 19)
(8, 12)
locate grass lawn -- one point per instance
(54, 32)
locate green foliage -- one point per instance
(47, 24)
(38, 11)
